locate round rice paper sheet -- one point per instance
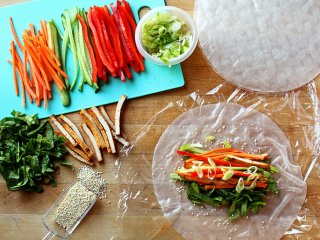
(266, 46)
(244, 128)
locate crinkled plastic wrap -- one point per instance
(284, 125)
(266, 46)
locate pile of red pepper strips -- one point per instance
(102, 44)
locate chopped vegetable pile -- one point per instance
(29, 150)
(226, 176)
(101, 42)
(41, 56)
(166, 36)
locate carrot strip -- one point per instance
(32, 51)
(36, 84)
(222, 150)
(32, 30)
(44, 30)
(55, 76)
(13, 30)
(45, 54)
(22, 88)
(13, 50)
(26, 76)
(45, 47)
(45, 98)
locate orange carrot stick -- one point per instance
(45, 98)
(22, 88)
(13, 50)
(45, 47)
(13, 30)
(26, 76)
(32, 30)
(44, 30)
(54, 74)
(36, 85)
(31, 51)
(54, 65)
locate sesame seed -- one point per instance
(77, 200)
(92, 180)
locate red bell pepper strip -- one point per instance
(126, 41)
(128, 16)
(129, 37)
(104, 74)
(115, 36)
(89, 47)
(102, 20)
(122, 76)
(98, 60)
(127, 71)
(126, 53)
(96, 32)
(128, 8)
(100, 36)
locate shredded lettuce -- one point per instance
(165, 36)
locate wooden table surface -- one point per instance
(140, 217)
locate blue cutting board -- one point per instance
(154, 79)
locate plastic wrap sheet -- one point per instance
(286, 126)
(267, 46)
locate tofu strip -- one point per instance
(78, 157)
(72, 125)
(118, 113)
(106, 128)
(93, 141)
(63, 130)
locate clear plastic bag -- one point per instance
(297, 113)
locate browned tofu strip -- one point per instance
(118, 113)
(106, 128)
(90, 122)
(93, 141)
(107, 118)
(78, 157)
(120, 139)
(78, 151)
(81, 143)
(101, 129)
(71, 124)
(110, 123)
(63, 130)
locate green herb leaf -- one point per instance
(209, 138)
(175, 176)
(227, 144)
(29, 152)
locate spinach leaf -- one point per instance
(29, 152)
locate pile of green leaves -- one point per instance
(240, 203)
(29, 150)
(165, 36)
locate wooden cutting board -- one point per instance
(154, 79)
